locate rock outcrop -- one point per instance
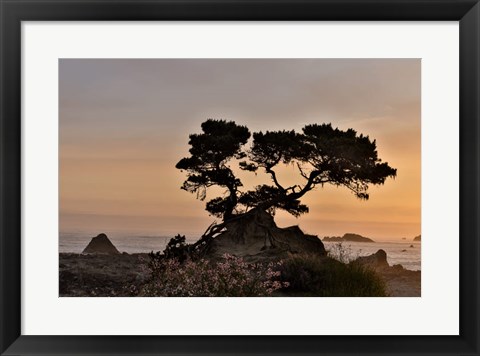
(348, 237)
(417, 238)
(255, 236)
(400, 282)
(377, 260)
(101, 244)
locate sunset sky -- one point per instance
(124, 124)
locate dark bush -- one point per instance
(310, 275)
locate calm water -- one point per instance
(397, 252)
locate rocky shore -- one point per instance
(101, 275)
(122, 275)
(400, 282)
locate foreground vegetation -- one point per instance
(311, 276)
(179, 272)
(174, 273)
(229, 277)
(297, 275)
(126, 275)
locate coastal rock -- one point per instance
(398, 267)
(377, 260)
(400, 282)
(257, 237)
(348, 237)
(101, 244)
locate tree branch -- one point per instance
(307, 187)
(302, 173)
(274, 178)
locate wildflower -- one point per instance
(230, 277)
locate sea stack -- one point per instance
(101, 244)
(348, 237)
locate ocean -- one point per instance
(398, 252)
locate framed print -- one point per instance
(239, 177)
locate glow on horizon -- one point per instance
(124, 123)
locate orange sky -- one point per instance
(125, 123)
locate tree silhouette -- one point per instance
(207, 166)
(321, 154)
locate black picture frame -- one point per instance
(13, 12)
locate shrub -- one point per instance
(228, 277)
(342, 253)
(310, 275)
(177, 248)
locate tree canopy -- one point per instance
(208, 165)
(321, 154)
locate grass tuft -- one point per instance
(314, 276)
